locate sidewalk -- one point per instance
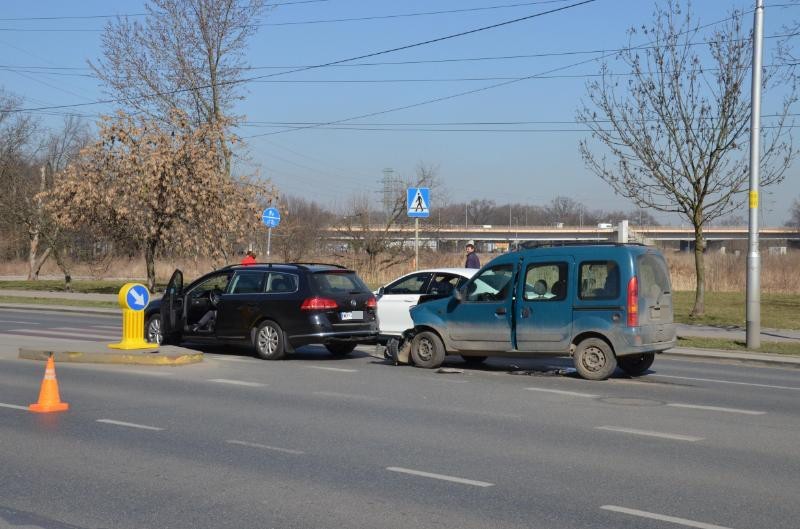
(736, 333)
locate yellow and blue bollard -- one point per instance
(133, 299)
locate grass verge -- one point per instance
(82, 285)
(783, 348)
(60, 302)
(778, 311)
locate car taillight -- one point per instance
(633, 302)
(372, 303)
(318, 303)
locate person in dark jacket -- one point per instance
(472, 258)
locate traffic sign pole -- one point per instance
(416, 243)
(269, 240)
(133, 298)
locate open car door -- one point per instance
(172, 305)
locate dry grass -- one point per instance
(724, 273)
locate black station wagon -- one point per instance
(274, 307)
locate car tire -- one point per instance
(635, 365)
(474, 360)
(594, 359)
(268, 341)
(340, 348)
(153, 332)
(427, 350)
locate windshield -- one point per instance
(333, 283)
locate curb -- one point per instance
(717, 354)
(60, 308)
(163, 356)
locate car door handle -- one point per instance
(500, 312)
(525, 313)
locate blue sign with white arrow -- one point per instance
(137, 297)
(271, 217)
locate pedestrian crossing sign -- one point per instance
(418, 202)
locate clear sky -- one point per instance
(330, 165)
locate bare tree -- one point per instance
(160, 188)
(677, 131)
(369, 232)
(186, 55)
(794, 214)
(300, 230)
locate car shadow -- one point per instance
(310, 352)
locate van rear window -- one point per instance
(599, 280)
(653, 276)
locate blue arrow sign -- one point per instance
(137, 297)
(271, 217)
(418, 202)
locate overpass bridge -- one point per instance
(433, 234)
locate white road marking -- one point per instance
(337, 369)
(69, 334)
(440, 476)
(716, 408)
(21, 322)
(237, 382)
(729, 382)
(129, 424)
(560, 392)
(232, 359)
(649, 433)
(13, 406)
(266, 447)
(108, 327)
(344, 395)
(661, 517)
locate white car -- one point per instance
(396, 298)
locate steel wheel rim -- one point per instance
(425, 349)
(268, 340)
(154, 331)
(593, 359)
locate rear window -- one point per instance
(653, 276)
(332, 283)
(599, 280)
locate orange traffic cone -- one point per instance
(49, 400)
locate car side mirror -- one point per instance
(380, 291)
(458, 294)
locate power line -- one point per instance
(367, 55)
(298, 22)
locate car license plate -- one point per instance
(355, 315)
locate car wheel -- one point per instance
(153, 331)
(269, 341)
(474, 360)
(427, 350)
(340, 348)
(635, 365)
(594, 359)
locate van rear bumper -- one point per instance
(646, 339)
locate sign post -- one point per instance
(133, 299)
(418, 206)
(271, 218)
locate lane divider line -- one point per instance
(442, 477)
(129, 424)
(67, 334)
(337, 369)
(650, 433)
(715, 408)
(662, 517)
(728, 382)
(562, 392)
(13, 406)
(237, 382)
(265, 447)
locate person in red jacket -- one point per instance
(249, 258)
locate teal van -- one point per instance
(606, 305)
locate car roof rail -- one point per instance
(307, 265)
(530, 245)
